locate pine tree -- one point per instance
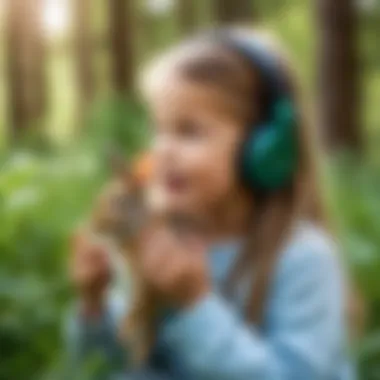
(339, 73)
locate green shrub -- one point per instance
(354, 201)
(44, 194)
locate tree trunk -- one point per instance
(37, 74)
(338, 73)
(26, 71)
(187, 16)
(122, 51)
(83, 45)
(16, 107)
(234, 11)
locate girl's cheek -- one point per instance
(218, 184)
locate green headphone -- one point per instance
(269, 155)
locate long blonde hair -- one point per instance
(213, 64)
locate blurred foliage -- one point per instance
(48, 181)
(354, 188)
(40, 201)
(44, 195)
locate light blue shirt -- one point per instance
(303, 337)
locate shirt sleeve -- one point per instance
(93, 344)
(306, 333)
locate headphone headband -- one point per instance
(261, 58)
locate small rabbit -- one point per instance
(122, 216)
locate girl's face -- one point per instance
(195, 148)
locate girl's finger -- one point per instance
(196, 244)
(162, 241)
(172, 274)
(155, 259)
(163, 260)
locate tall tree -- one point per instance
(339, 73)
(37, 61)
(15, 65)
(187, 16)
(122, 49)
(26, 70)
(234, 11)
(83, 45)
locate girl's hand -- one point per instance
(176, 268)
(90, 272)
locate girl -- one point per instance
(260, 294)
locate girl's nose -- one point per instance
(165, 148)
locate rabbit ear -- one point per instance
(143, 169)
(139, 173)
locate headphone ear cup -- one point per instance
(270, 154)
